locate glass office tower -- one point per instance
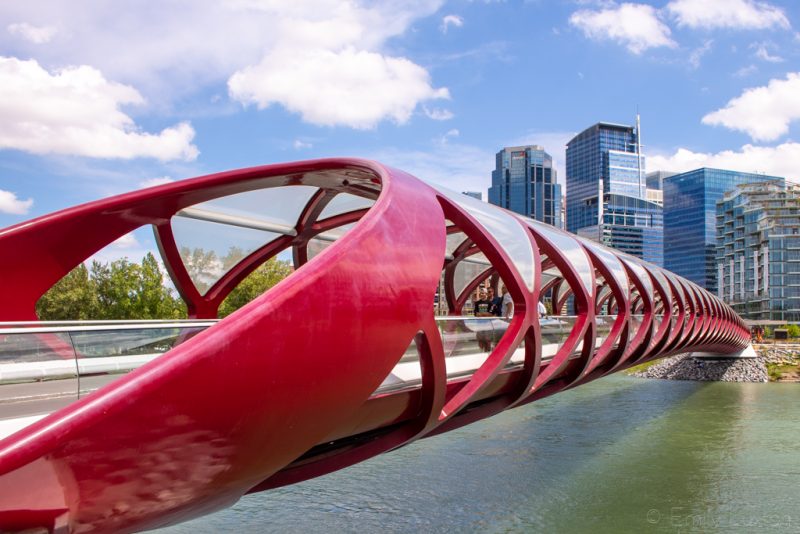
(524, 181)
(690, 207)
(758, 250)
(607, 192)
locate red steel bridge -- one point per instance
(124, 426)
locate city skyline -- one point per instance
(99, 101)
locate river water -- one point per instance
(618, 455)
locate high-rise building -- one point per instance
(524, 181)
(655, 179)
(690, 209)
(758, 248)
(607, 196)
(474, 194)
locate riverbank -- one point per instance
(685, 367)
(776, 362)
(782, 361)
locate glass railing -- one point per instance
(45, 366)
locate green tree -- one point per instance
(793, 330)
(71, 298)
(117, 285)
(259, 281)
(116, 290)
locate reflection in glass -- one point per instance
(209, 249)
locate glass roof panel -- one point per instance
(505, 228)
(453, 241)
(479, 258)
(641, 273)
(277, 205)
(210, 249)
(325, 239)
(344, 203)
(569, 247)
(611, 262)
(663, 281)
(464, 274)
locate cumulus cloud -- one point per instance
(153, 182)
(34, 34)
(10, 204)
(451, 20)
(349, 87)
(736, 14)
(765, 112)
(779, 160)
(127, 241)
(301, 145)
(337, 46)
(77, 111)
(636, 26)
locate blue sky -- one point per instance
(98, 97)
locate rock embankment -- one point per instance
(685, 367)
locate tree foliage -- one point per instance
(72, 298)
(122, 289)
(264, 277)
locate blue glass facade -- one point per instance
(631, 225)
(601, 158)
(524, 181)
(607, 192)
(690, 207)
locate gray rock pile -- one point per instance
(782, 354)
(685, 367)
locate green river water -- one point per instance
(618, 455)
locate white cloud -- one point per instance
(736, 14)
(77, 111)
(153, 182)
(457, 166)
(698, 53)
(165, 54)
(10, 204)
(133, 247)
(128, 241)
(349, 87)
(34, 34)
(444, 139)
(779, 160)
(762, 53)
(438, 114)
(301, 145)
(451, 20)
(763, 112)
(634, 25)
(744, 72)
